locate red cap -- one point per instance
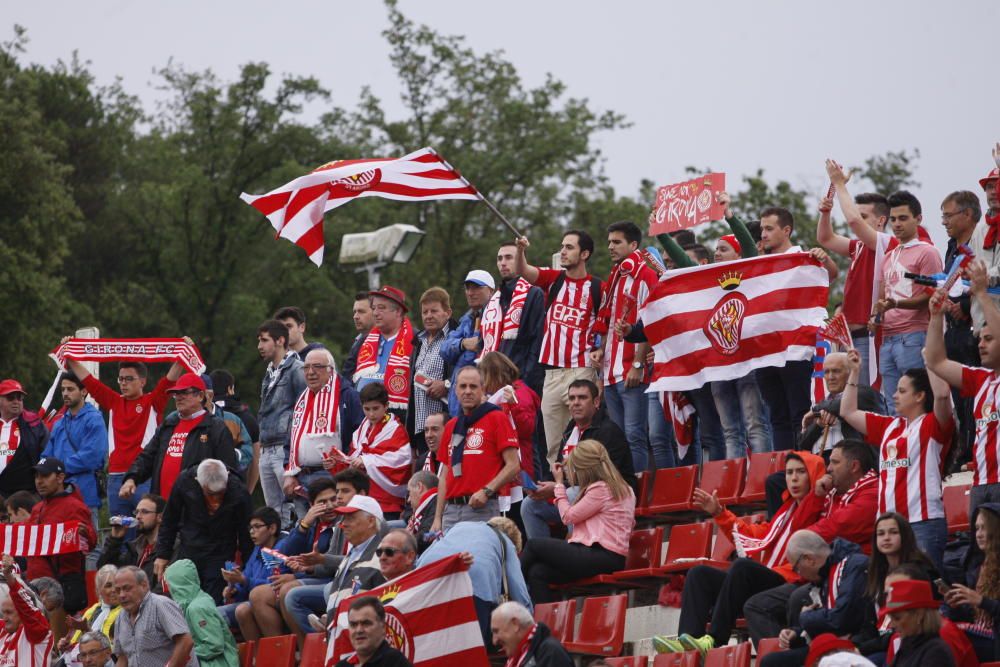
(731, 240)
(394, 294)
(826, 643)
(11, 386)
(188, 381)
(992, 176)
(908, 594)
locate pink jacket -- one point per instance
(598, 518)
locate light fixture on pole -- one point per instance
(376, 250)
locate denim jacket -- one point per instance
(278, 401)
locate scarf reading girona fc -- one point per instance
(397, 371)
(149, 350)
(497, 326)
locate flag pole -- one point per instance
(489, 205)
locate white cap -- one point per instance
(480, 277)
(363, 504)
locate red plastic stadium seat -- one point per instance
(559, 617)
(602, 626)
(729, 656)
(276, 651)
(956, 507)
(686, 659)
(767, 647)
(672, 490)
(313, 650)
(687, 541)
(90, 579)
(722, 549)
(761, 465)
(628, 661)
(725, 477)
(245, 652)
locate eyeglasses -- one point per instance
(948, 216)
(123, 379)
(142, 511)
(15, 397)
(92, 654)
(257, 526)
(315, 367)
(388, 551)
(795, 565)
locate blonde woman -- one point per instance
(602, 517)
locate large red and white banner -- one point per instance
(721, 321)
(47, 539)
(296, 209)
(429, 617)
(150, 350)
(683, 205)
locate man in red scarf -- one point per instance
(984, 238)
(384, 356)
(524, 641)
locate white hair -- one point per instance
(807, 542)
(95, 636)
(107, 572)
(515, 611)
(327, 353)
(212, 475)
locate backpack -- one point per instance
(595, 291)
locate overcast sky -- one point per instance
(732, 84)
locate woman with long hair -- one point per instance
(602, 517)
(518, 400)
(912, 449)
(975, 607)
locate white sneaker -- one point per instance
(318, 623)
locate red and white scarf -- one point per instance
(315, 413)
(521, 653)
(630, 266)
(149, 350)
(835, 499)
(385, 450)
(429, 500)
(497, 325)
(397, 371)
(776, 539)
(47, 539)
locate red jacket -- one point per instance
(65, 506)
(523, 413)
(850, 515)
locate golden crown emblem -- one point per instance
(730, 280)
(389, 594)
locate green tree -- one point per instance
(889, 172)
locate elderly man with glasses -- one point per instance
(95, 650)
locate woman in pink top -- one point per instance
(602, 518)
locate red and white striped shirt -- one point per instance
(10, 438)
(385, 450)
(982, 383)
(569, 321)
(911, 457)
(31, 644)
(629, 295)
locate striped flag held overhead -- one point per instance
(721, 321)
(296, 209)
(47, 539)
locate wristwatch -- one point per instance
(637, 364)
(490, 493)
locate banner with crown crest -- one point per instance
(721, 321)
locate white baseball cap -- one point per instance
(363, 504)
(480, 277)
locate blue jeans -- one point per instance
(897, 355)
(787, 392)
(538, 514)
(228, 614)
(709, 426)
(121, 506)
(628, 409)
(661, 433)
(932, 536)
(304, 600)
(272, 474)
(742, 415)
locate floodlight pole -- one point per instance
(372, 269)
(489, 205)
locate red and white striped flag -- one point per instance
(429, 617)
(719, 322)
(47, 539)
(682, 413)
(836, 331)
(296, 209)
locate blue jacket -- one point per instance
(256, 572)
(297, 542)
(458, 357)
(278, 401)
(351, 414)
(81, 443)
(848, 612)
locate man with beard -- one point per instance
(512, 321)
(140, 551)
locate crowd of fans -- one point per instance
(539, 395)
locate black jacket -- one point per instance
(232, 405)
(606, 432)
(351, 361)
(923, 651)
(868, 400)
(210, 439)
(18, 475)
(385, 656)
(546, 651)
(848, 611)
(206, 538)
(524, 349)
(120, 553)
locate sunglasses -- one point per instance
(387, 551)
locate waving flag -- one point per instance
(721, 321)
(429, 617)
(837, 331)
(296, 209)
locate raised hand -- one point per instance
(976, 273)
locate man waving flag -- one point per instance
(296, 209)
(721, 321)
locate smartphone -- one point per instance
(942, 587)
(231, 566)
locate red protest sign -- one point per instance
(687, 204)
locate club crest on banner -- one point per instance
(725, 325)
(396, 632)
(69, 537)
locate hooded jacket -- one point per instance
(81, 442)
(213, 642)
